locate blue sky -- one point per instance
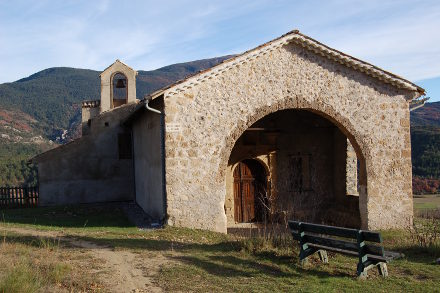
(400, 36)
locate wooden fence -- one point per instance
(18, 196)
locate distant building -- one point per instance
(290, 129)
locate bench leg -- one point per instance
(323, 256)
(304, 254)
(383, 269)
(361, 271)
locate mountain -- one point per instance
(426, 116)
(425, 141)
(53, 96)
(44, 109)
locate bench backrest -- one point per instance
(316, 234)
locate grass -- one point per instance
(197, 261)
(21, 278)
(428, 201)
(232, 268)
(30, 264)
(81, 217)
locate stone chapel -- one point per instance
(292, 128)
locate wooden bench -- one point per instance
(366, 245)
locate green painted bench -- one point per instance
(366, 245)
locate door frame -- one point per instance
(260, 177)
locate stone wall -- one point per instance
(88, 169)
(203, 123)
(87, 114)
(148, 162)
(352, 173)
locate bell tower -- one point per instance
(118, 86)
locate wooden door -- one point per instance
(244, 193)
(238, 214)
(247, 193)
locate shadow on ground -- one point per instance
(222, 259)
(77, 216)
(211, 257)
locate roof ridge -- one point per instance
(302, 40)
(118, 61)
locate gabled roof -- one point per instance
(120, 62)
(304, 41)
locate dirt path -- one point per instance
(125, 271)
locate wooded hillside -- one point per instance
(43, 110)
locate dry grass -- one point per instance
(199, 261)
(34, 264)
(427, 201)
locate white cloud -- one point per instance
(400, 36)
(403, 42)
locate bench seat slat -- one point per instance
(371, 257)
(369, 249)
(329, 248)
(340, 244)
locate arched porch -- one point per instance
(310, 170)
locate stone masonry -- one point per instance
(203, 122)
(343, 121)
(351, 170)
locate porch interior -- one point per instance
(308, 170)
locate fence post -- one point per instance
(26, 196)
(21, 196)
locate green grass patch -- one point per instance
(29, 266)
(83, 217)
(203, 261)
(423, 202)
(21, 278)
(38, 264)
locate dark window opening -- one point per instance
(299, 173)
(124, 146)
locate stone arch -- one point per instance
(262, 162)
(326, 111)
(229, 205)
(112, 88)
(254, 197)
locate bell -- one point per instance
(120, 84)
